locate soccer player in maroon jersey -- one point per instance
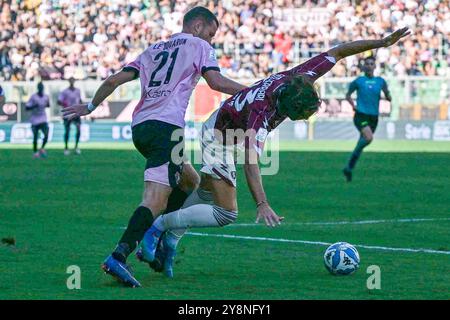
(256, 111)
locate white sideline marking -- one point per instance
(333, 223)
(230, 236)
(343, 222)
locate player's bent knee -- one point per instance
(224, 216)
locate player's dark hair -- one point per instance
(40, 88)
(369, 58)
(298, 99)
(199, 12)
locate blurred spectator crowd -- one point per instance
(59, 39)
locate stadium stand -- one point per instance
(59, 39)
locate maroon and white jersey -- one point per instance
(255, 107)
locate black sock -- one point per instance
(66, 136)
(140, 222)
(35, 138)
(44, 142)
(362, 143)
(176, 200)
(77, 137)
(353, 159)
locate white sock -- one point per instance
(199, 215)
(198, 196)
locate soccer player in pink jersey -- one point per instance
(168, 71)
(69, 97)
(37, 104)
(253, 112)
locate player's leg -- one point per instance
(188, 183)
(222, 212)
(219, 177)
(202, 195)
(66, 136)
(186, 189)
(363, 123)
(77, 135)
(166, 249)
(153, 140)
(35, 130)
(45, 129)
(365, 139)
(153, 203)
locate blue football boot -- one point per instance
(157, 263)
(120, 271)
(348, 174)
(170, 253)
(149, 244)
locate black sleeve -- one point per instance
(136, 71)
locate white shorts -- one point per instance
(218, 160)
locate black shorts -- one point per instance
(153, 139)
(75, 121)
(362, 120)
(42, 126)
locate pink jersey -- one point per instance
(70, 97)
(169, 71)
(254, 107)
(37, 105)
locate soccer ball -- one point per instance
(341, 258)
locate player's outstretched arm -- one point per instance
(254, 181)
(218, 82)
(355, 47)
(107, 87)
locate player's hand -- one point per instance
(265, 212)
(75, 111)
(397, 35)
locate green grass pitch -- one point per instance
(65, 211)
